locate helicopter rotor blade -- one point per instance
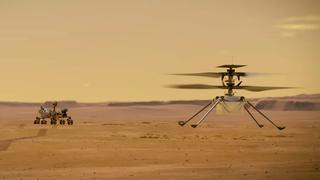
(222, 74)
(250, 74)
(257, 74)
(260, 88)
(231, 66)
(196, 86)
(204, 74)
(206, 86)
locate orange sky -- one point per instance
(122, 50)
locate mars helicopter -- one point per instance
(230, 80)
(53, 115)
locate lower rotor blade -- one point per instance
(196, 86)
(204, 74)
(261, 88)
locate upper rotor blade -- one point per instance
(231, 66)
(261, 88)
(196, 86)
(220, 74)
(204, 74)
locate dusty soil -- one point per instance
(145, 142)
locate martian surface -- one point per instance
(144, 141)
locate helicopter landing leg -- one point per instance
(260, 125)
(182, 123)
(207, 113)
(279, 127)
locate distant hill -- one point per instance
(302, 102)
(157, 103)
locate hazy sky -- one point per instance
(122, 50)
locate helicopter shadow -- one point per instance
(5, 144)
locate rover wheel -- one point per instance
(53, 121)
(62, 122)
(43, 122)
(36, 121)
(70, 122)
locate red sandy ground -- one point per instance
(145, 142)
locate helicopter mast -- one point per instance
(229, 81)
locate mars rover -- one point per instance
(53, 115)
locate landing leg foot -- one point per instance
(194, 125)
(181, 123)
